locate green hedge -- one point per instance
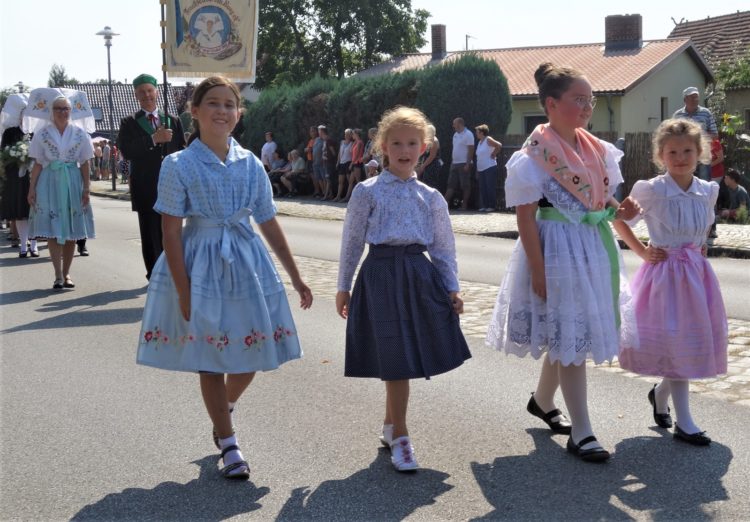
(470, 87)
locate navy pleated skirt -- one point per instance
(401, 321)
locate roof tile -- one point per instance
(608, 71)
(717, 38)
(123, 101)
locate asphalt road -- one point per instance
(89, 435)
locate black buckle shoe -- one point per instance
(597, 454)
(663, 420)
(696, 439)
(562, 427)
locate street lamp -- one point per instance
(108, 34)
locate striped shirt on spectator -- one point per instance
(702, 117)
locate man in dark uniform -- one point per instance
(145, 139)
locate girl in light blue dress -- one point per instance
(215, 303)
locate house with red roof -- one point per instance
(638, 83)
(722, 38)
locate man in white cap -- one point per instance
(703, 117)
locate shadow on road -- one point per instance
(91, 316)
(209, 497)
(375, 493)
(669, 479)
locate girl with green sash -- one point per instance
(561, 296)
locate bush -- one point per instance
(470, 87)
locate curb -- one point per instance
(713, 251)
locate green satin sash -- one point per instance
(63, 169)
(599, 219)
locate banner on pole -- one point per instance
(206, 37)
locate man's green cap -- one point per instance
(144, 78)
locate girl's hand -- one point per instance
(704, 250)
(653, 255)
(628, 209)
(85, 197)
(539, 284)
(31, 198)
(185, 305)
(305, 294)
(458, 303)
(342, 303)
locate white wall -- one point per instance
(641, 107)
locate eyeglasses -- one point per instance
(61, 109)
(584, 101)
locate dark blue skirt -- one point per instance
(401, 321)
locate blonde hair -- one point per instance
(403, 116)
(677, 128)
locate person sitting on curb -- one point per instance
(297, 172)
(738, 197)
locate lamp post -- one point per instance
(107, 33)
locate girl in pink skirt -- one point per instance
(679, 312)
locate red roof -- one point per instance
(717, 38)
(613, 72)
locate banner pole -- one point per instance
(164, 50)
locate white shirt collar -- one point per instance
(673, 189)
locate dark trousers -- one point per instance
(488, 187)
(149, 222)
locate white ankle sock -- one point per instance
(681, 400)
(387, 436)
(232, 456)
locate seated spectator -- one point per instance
(279, 167)
(738, 196)
(298, 172)
(372, 168)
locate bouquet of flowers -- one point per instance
(17, 153)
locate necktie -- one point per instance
(153, 120)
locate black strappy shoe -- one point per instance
(597, 454)
(663, 420)
(562, 426)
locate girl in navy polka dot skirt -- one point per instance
(402, 317)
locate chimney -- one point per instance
(439, 50)
(623, 32)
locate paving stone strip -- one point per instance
(479, 300)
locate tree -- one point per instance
(298, 39)
(58, 77)
(4, 93)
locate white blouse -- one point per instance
(73, 145)
(386, 210)
(484, 156)
(676, 217)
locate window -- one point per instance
(530, 122)
(664, 108)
